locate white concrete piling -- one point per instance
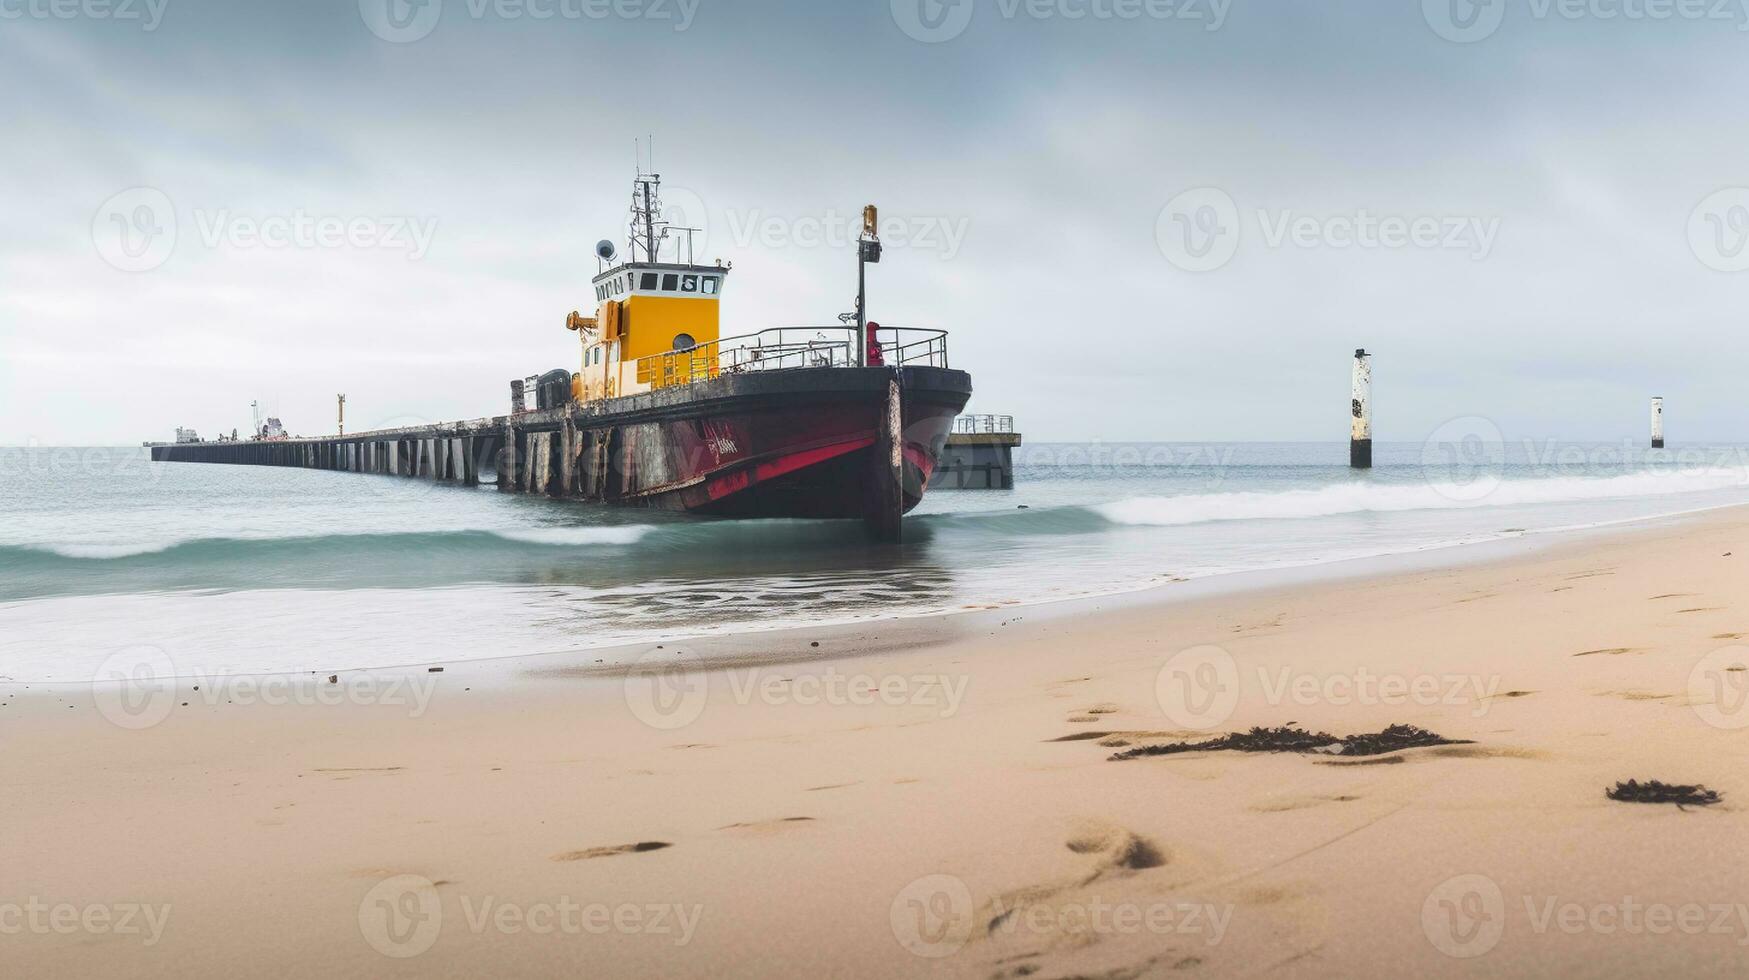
(1657, 423)
(1360, 407)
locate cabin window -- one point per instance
(689, 284)
(670, 282)
(710, 285)
(649, 281)
(684, 342)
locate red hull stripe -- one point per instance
(721, 486)
(921, 460)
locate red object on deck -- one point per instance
(875, 358)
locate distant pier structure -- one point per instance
(979, 454)
(1657, 423)
(1360, 407)
(560, 448)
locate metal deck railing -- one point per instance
(975, 424)
(788, 348)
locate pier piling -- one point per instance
(1360, 407)
(1657, 423)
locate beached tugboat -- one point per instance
(844, 421)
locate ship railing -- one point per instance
(789, 348)
(975, 424)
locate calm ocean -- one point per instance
(255, 569)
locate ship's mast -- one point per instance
(646, 206)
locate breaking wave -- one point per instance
(1360, 498)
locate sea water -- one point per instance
(244, 569)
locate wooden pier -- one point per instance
(551, 451)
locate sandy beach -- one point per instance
(938, 797)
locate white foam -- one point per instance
(1358, 497)
(104, 552)
(571, 536)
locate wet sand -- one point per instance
(938, 796)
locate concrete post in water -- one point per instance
(1360, 407)
(507, 460)
(566, 459)
(1657, 423)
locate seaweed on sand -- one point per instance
(1653, 791)
(1290, 739)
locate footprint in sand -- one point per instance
(1092, 714)
(1117, 849)
(1283, 804)
(340, 775)
(767, 826)
(1441, 752)
(1108, 737)
(1113, 851)
(601, 852)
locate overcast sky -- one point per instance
(1140, 219)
